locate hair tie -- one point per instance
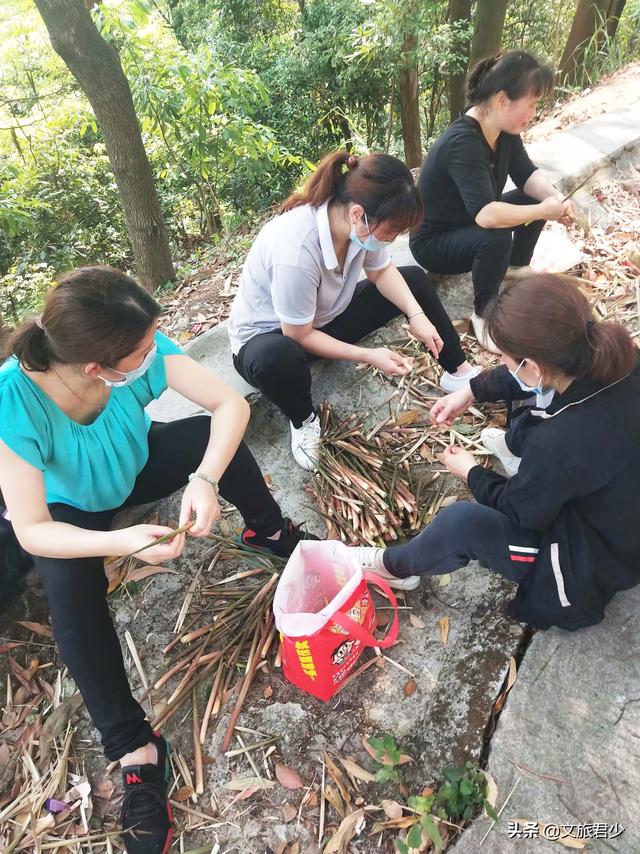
(352, 162)
(39, 323)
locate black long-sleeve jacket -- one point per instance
(578, 485)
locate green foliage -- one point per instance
(462, 793)
(389, 756)
(236, 99)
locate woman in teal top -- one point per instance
(76, 446)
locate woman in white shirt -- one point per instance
(300, 295)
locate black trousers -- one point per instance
(462, 532)
(279, 366)
(76, 588)
(486, 252)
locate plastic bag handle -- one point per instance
(356, 630)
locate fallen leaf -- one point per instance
(356, 771)
(410, 687)
(183, 794)
(444, 579)
(345, 833)
(443, 622)
(288, 777)
(289, 812)
(491, 793)
(292, 848)
(103, 787)
(268, 692)
(408, 417)
(312, 799)
(404, 790)
(416, 621)
(240, 784)
(5, 647)
(143, 572)
(392, 809)
(38, 628)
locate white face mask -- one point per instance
(371, 243)
(131, 376)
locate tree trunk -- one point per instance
(409, 103)
(96, 66)
(614, 12)
(487, 32)
(588, 18)
(459, 10)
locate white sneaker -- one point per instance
(518, 272)
(370, 559)
(479, 330)
(305, 442)
(451, 382)
(494, 441)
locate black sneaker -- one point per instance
(283, 547)
(147, 821)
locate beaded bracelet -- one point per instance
(214, 483)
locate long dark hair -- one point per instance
(93, 314)
(546, 317)
(516, 73)
(382, 184)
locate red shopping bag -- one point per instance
(326, 617)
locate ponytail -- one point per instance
(516, 73)
(31, 347)
(546, 317)
(380, 183)
(613, 352)
(324, 181)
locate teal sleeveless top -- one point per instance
(89, 466)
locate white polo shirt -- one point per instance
(291, 276)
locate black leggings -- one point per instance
(462, 532)
(76, 588)
(486, 252)
(279, 366)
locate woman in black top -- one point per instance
(469, 223)
(565, 526)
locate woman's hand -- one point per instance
(445, 410)
(458, 461)
(570, 212)
(130, 540)
(422, 328)
(551, 208)
(200, 499)
(389, 362)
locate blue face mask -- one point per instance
(531, 389)
(371, 244)
(131, 376)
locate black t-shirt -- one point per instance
(461, 174)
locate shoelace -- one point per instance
(367, 556)
(309, 437)
(137, 808)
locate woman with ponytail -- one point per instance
(469, 223)
(75, 447)
(300, 295)
(564, 526)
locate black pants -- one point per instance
(462, 532)
(279, 366)
(76, 588)
(486, 252)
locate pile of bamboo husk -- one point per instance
(372, 484)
